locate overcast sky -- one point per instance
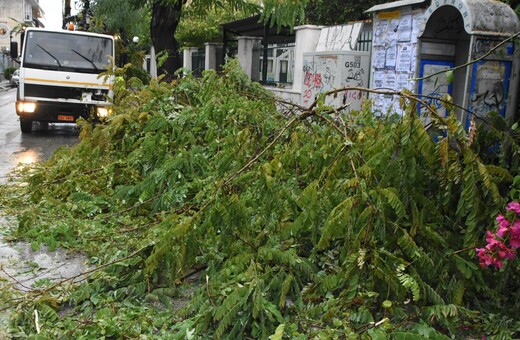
(53, 12)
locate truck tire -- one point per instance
(25, 125)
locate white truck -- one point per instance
(59, 77)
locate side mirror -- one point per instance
(14, 49)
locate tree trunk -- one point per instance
(165, 19)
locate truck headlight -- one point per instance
(103, 112)
(26, 107)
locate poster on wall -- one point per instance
(404, 30)
(404, 57)
(394, 53)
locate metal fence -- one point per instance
(198, 62)
(364, 42)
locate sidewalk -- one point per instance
(4, 84)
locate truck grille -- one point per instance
(60, 92)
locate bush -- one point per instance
(8, 72)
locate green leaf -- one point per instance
(278, 334)
(450, 76)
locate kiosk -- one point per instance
(473, 37)
(415, 39)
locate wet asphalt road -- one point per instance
(17, 148)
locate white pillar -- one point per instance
(246, 45)
(211, 50)
(307, 37)
(186, 58)
(153, 63)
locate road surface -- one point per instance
(17, 148)
(20, 265)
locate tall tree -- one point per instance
(166, 15)
(165, 19)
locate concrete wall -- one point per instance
(246, 46)
(288, 95)
(8, 10)
(15, 9)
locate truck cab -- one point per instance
(60, 77)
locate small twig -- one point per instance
(207, 289)
(255, 248)
(460, 251)
(193, 272)
(137, 205)
(261, 153)
(40, 292)
(15, 280)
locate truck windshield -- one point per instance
(67, 52)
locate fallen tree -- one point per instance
(301, 222)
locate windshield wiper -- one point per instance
(87, 59)
(49, 53)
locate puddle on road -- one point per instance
(23, 269)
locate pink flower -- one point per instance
(502, 245)
(514, 206)
(490, 237)
(503, 225)
(502, 231)
(514, 235)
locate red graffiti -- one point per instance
(313, 80)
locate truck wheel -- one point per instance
(25, 125)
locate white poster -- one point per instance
(380, 32)
(379, 79)
(417, 23)
(379, 57)
(404, 81)
(405, 28)
(391, 55)
(393, 28)
(404, 57)
(390, 80)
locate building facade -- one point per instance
(13, 15)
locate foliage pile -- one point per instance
(305, 225)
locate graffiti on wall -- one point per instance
(434, 86)
(324, 72)
(318, 76)
(489, 87)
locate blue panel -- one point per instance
(489, 88)
(437, 86)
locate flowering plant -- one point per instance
(503, 244)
